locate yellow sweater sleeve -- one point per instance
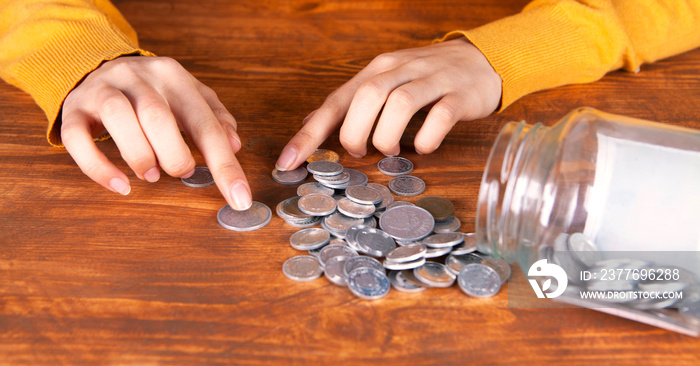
(558, 42)
(48, 46)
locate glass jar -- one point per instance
(595, 185)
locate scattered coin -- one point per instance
(407, 223)
(201, 178)
(364, 195)
(395, 165)
(441, 208)
(357, 178)
(399, 203)
(323, 155)
(387, 197)
(469, 245)
(317, 204)
(334, 269)
(314, 187)
(407, 185)
(400, 282)
(449, 225)
(368, 283)
(309, 239)
(443, 240)
(437, 252)
(257, 216)
(354, 209)
(399, 266)
(479, 280)
(434, 274)
(374, 242)
(407, 253)
(455, 262)
(337, 224)
(362, 261)
(335, 250)
(324, 168)
(333, 180)
(290, 177)
(501, 267)
(302, 268)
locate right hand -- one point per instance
(143, 102)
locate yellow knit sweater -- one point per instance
(49, 46)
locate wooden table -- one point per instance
(88, 276)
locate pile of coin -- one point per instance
(614, 272)
(369, 242)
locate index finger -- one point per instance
(200, 123)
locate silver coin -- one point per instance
(395, 165)
(290, 177)
(562, 257)
(407, 223)
(317, 204)
(501, 267)
(400, 282)
(399, 203)
(302, 268)
(313, 187)
(368, 283)
(257, 216)
(407, 253)
(443, 240)
(375, 242)
(691, 312)
(362, 261)
(309, 239)
(334, 267)
(337, 241)
(455, 262)
(437, 252)
(583, 249)
(316, 252)
(387, 197)
(468, 246)
(351, 234)
(407, 185)
(354, 209)
(303, 224)
(399, 266)
(333, 180)
(335, 250)
(337, 223)
(479, 280)
(449, 225)
(201, 178)
(370, 221)
(434, 274)
(289, 210)
(324, 168)
(357, 178)
(440, 207)
(364, 195)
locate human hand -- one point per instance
(144, 102)
(454, 75)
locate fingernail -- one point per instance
(120, 186)
(232, 132)
(152, 175)
(240, 195)
(191, 173)
(356, 156)
(287, 158)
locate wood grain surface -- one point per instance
(91, 277)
